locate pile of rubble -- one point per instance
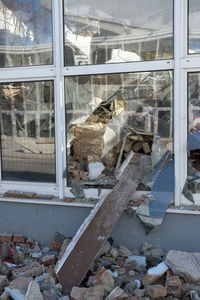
(27, 272)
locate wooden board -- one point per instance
(92, 234)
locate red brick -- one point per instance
(5, 237)
(32, 270)
(18, 238)
(130, 265)
(55, 245)
(48, 260)
(120, 262)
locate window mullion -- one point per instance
(179, 107)
(59, 97)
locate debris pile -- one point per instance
(104, 138)
(117, 273)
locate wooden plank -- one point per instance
(92, 234)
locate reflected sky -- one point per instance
(25, 22)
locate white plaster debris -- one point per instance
(95, 170)
(159, 269)
(140, 260)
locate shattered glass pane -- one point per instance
(193, 182)
(109, 117)
(194, 26)
(27, 131)
(26, 33)
(114, 31)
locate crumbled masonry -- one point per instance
(116, 273)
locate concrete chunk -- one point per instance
(186, 265)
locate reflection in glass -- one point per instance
(193, 127)
(194, 26)
(25, 33)
(27, 136)
(98, 32)
(103, 110)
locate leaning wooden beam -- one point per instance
(81, 252)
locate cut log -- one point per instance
(92, 234)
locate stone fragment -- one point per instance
(146, 246)
(124, 251)
(186, 265)
(121, 271)
(20, 256)
(30, 242)
(187, 287)
(45, 281)
(137, 147)
(3, 282)
(18, 238)
(55, 245)
(7, 267)
(50, 294)
(131, 273)
(94, 293)
(5, 296)
(95, 170)
(140, 262)
(117, 294)
(77, 293)
(155, 273)
(17, 288)
(32, 270)
(132, 286)
(114, 252)
(105, 248)
(156, 291)
(146, 148)
(64, 298)
(173, 284)
(48, 260)
(33, 292)
(154, 256)
(140, 292)
(130, 265)
(103, 278)
(5, 237)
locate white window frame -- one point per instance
(181, 64)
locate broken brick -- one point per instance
(156, 291)
(18, 238)
(173, 284)
(5, 238)
(78, 293)
(34, 269)
(55, 245)
(48, 260)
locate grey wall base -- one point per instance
(178, 231)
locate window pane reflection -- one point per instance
(27, 131)
(102, 110)
(25, 33)
(193, 128)
(98, 32)
(194, 26)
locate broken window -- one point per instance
(194, 24)
(26, 33)
(98, 32)
(111, 116)
(194, 132)
(27, 131)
